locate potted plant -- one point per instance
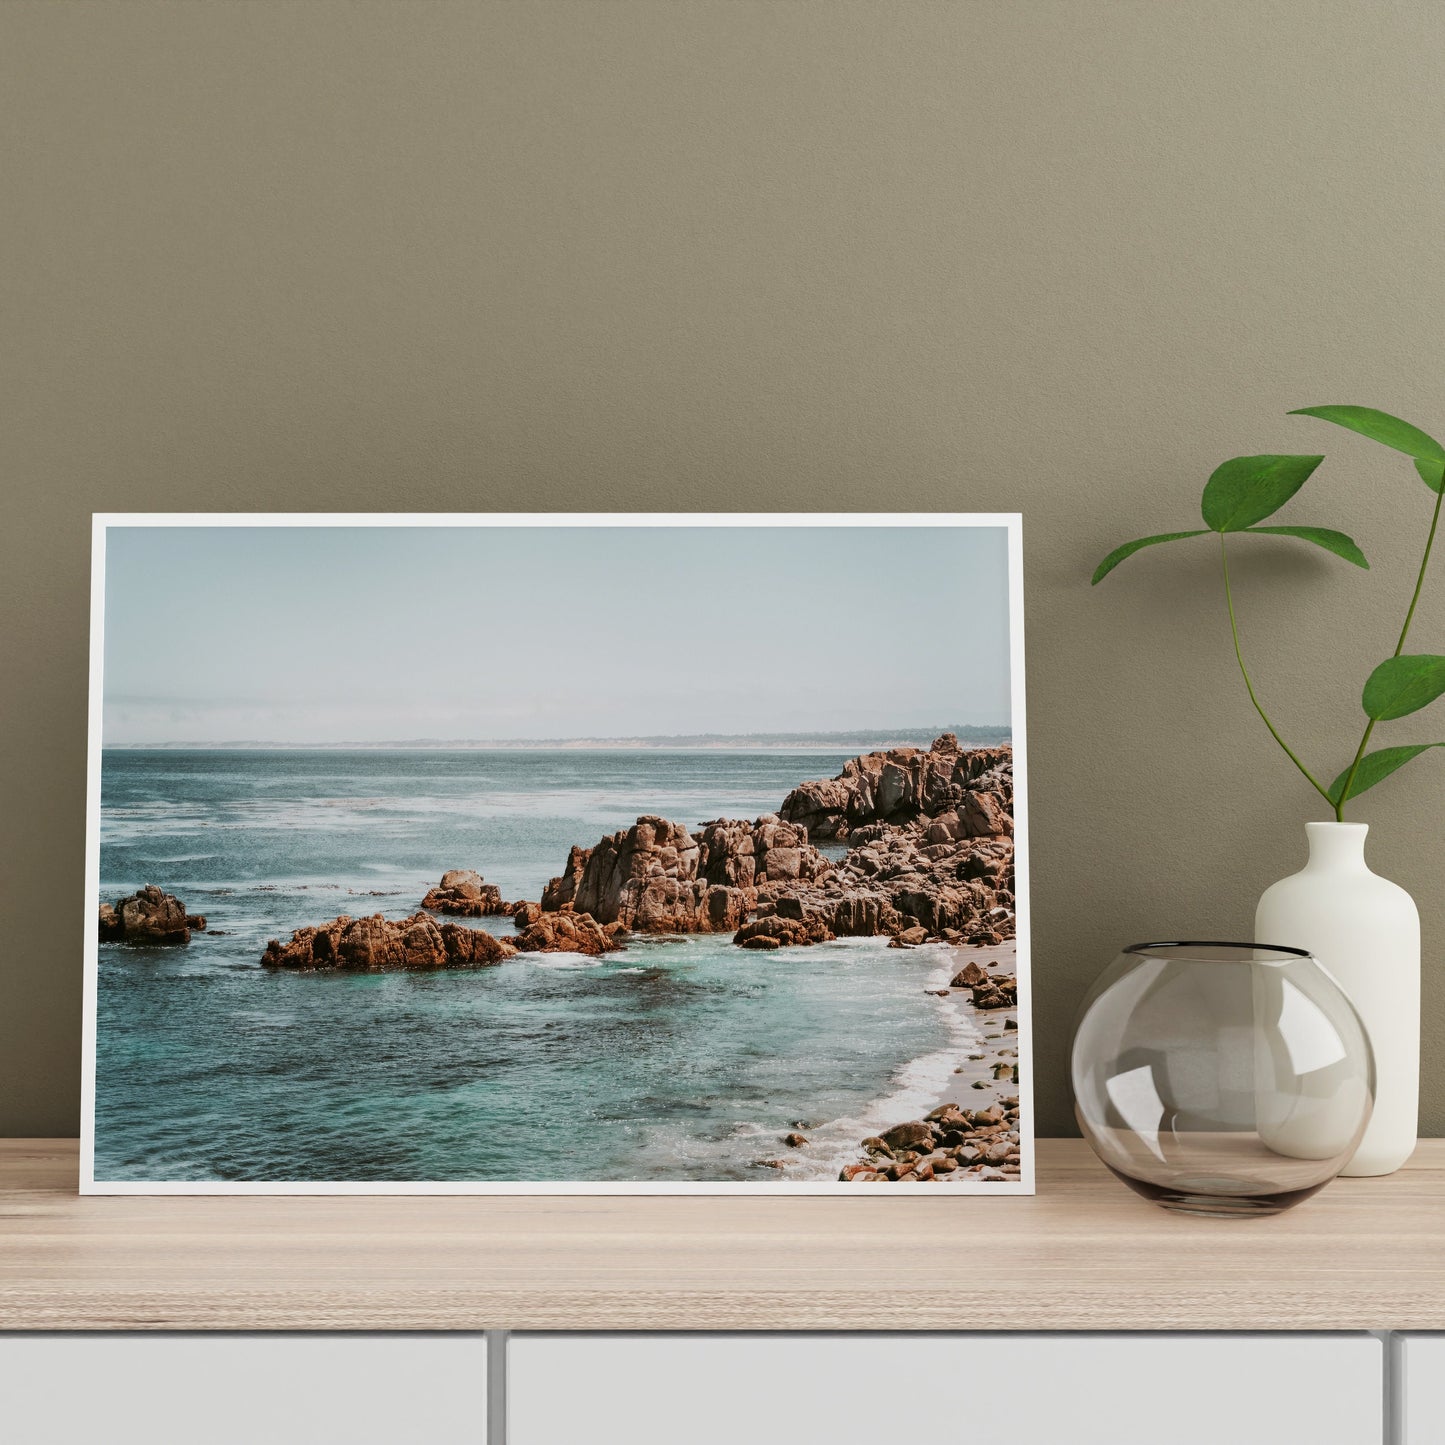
(1362, 928)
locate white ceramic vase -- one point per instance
(1365, 931)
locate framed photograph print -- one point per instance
(557, 854)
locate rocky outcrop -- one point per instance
(561, 892)
(151, 917)
(378, 944)
(930, 857)
(656, 877)
(753, 855)
(463, 893)
(959, 892)
(569, 932)
(969, 790)
(930, 847)
(647, 867)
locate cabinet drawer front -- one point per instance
(972, 1389)
(218, 1389)
(1423, 1360)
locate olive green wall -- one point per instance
(1054, 256)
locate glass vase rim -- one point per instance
(1232, 951)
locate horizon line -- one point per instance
(878, 738)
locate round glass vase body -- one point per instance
(1225, 1079)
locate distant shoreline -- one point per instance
(703, 742)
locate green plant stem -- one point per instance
(1399, 648)
(1244, 672)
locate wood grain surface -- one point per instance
(1084, 1254)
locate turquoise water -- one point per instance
(680, 1059)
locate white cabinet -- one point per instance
(964, 1389)
(1422, 1362)
(221, 1389)
(713, 1389)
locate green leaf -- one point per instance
(1389, 431)
(1403, 685)
(1246, 490)
(1432, 473)
(1376, 767)
(1336, 542)
(1129, 548)
(1380, 427)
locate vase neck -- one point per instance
(1336, 845)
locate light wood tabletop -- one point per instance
(1083, 1254)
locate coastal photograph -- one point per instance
(557, 854)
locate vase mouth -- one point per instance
(1217, 951)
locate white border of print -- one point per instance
(101, 521)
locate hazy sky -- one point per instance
(331, 634)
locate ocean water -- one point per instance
(680, 1059)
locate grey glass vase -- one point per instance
(1225, 1079)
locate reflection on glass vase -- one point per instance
(1221, 1078)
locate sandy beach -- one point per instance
(957, 1119)
(964, 1072)
(974, 1084)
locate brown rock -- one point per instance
(946, 828)
(378, 944)
(463, 893)
(986, 815)
(761, 942)
(860, 915)
(905, 783)
(150, 917)
(930, 843)
(567, 932)
(561, 891)
(655, 877)
(794, 1141)
(821, 807)
(913, 1135)
(775, 932)
(464, 882)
